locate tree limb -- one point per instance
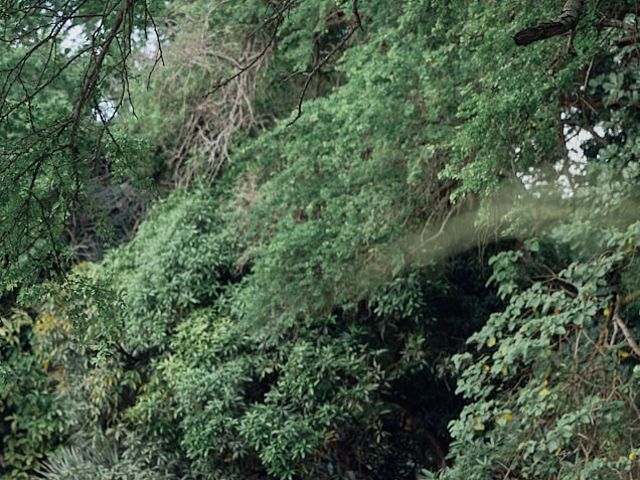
(566, 22)
(625, 330)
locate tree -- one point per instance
(62, 62)
(431, 269)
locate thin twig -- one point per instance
(325, 59)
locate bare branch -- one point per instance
(623, 327)
(339, 46)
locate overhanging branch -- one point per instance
(566, 22)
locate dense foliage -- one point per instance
(384, 240)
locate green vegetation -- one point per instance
(319, 239)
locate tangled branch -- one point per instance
(213, 111)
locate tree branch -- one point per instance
(625, 330)
(566, 22)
